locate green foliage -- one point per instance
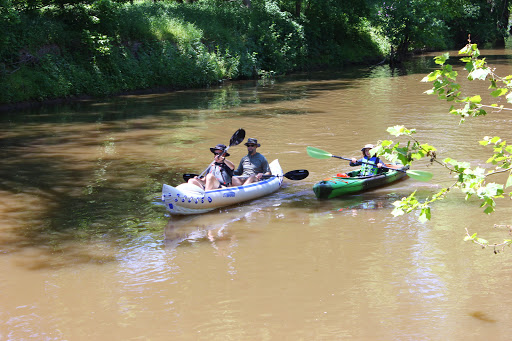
(472, 181)
(486, 21)
(164, 42)
(9, 20)
(485, 243)
(412, 25)
(337, 32)
(108, 47)
(439, 24)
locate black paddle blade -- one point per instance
(297, 174)
(188, 176)
(237, 137)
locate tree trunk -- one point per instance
(298, 8)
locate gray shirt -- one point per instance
(252, 164)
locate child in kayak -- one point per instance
(370, 164)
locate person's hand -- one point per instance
(379, 165)
(354, 160)
(259, 176)
(219, 158)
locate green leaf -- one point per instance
(509, 97)
(442, 58)
(425, 215)
(479, 74)
(495, 139)
(475, 99)
(432, 76)
(482, 241)
(499, 92)
(509, 180)
(400, 130)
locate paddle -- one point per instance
(322, 154)
(237, 138)
(297, 174)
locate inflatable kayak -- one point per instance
(190, 199)
(351, 182)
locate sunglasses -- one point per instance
(251, 145)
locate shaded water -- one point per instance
(87, 251)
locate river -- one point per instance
(87, 251)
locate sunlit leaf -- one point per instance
(442, 58)
(509, 97)
(425, 215)
(479, 74)
(475, 99)
(509, 180)
(499, 92)
(495, 139)
(432, 76)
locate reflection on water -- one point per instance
(90, 252)
(210, 227)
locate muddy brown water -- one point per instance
(88, 253)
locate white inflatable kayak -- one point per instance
(190, 199)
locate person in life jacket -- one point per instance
(370, 165)
(220, 172)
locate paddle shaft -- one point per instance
(298, 174)
(236, 139)
(322, 154)
(345, 158)
(221, 154)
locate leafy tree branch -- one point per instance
(472, 181)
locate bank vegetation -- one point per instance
(66, 48)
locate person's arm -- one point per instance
(354, 162)
(266, 167)
(222, 159)
(389, 165)
(230, 164)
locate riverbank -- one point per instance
(106, 49)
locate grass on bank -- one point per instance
(107, 48)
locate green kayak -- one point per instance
(351, 182)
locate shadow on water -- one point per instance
(72, 200)
(226, 100)
(177, 107)
(66, 203)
